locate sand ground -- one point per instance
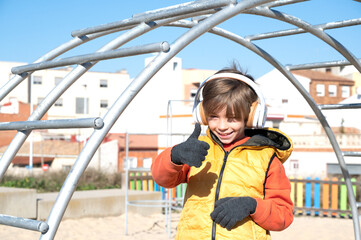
(153, 227)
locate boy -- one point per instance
(236, 184)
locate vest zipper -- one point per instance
(217, 191)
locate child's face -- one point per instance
(226, 129)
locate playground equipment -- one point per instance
(207, 15)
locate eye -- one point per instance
(212, 116)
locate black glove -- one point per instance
(230, 210)
(191, 152)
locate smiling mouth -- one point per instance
(224, 135)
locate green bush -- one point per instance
(53, 181)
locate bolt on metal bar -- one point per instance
(125, 52)
(352, 154)
(340, 106)
(177, 10)
(96, 123)
(319, 65)
(287, 32)
(24, 223)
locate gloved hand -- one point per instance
(230, 210)
(191, 152)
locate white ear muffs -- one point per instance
(258, 111)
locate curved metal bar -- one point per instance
(319, 33)
(177, 10)
(340, 106)
(122, 102)
(80, 59)
(319, 65)
(287, 32)
(357, 64)
(304, 93)
(279, 3)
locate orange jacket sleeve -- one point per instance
(167, 174)
(275, 211)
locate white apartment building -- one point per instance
(89, 96)
(313, 155)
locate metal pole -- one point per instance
(97, 56)
(126, 181)
(319, 65)
(24, 223)
(53, 124)
(31, 135)
(170, 192)
(282, 33)
(177, 10)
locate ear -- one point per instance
(202, 114)
(198, 114)
(251, 115)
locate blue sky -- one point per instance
(30, 29)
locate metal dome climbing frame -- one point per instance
(207, 14)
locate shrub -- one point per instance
(53, 181)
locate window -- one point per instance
(320, 90)
(58, 80)
(332, 90)
(175, 65)
(37, 80)
(294, 164)
(193, 93)
(103, 83)
(133, 162)
(147, 162)
(81, 105)
(103, 103)
(59, 103)
(345, 91)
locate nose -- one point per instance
(223, 124)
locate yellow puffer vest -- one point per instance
(239, 172)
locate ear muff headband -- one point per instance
(258, 111)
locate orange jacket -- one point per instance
(274, 212)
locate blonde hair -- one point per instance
(233, 94)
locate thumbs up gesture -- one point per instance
(191, 152)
